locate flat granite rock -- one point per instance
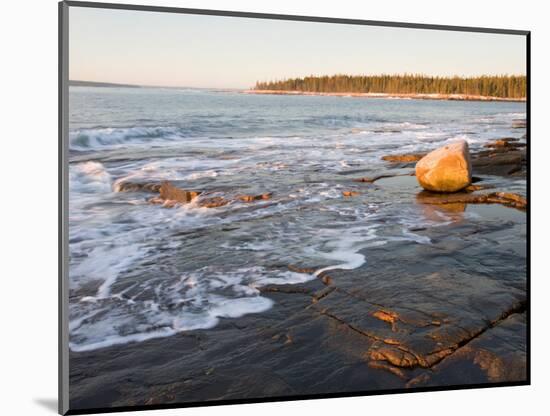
(447, 313)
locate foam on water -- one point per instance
(97, 138)
(256, 246)
(344, 247)
(177, 169)
(89, 177)
(195, 300)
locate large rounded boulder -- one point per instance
(446, 169)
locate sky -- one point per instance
(168, 49)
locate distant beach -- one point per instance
(450, 97)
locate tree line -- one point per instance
(505, 86)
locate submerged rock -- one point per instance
(251, 198)
(405, 158)
(506, 143)
(213, 202)
(473, 188)
(446, 169)
(433, 211)
(387, 316)
(137, 187)
(170, 196)
(504, 198)
(372, 179)
(166, 203)
(171, 193)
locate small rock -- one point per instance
(297, 269)
(508, 196)
(473, 188)
(504, 198)
(446, 169)
(170, 192)
(406, 158)
(387, 316)
(166, 203)
(372, 179)
(497, 143)
(327, 280)
(136, 187)
(251, 198)
(509, 143)
(350, 193)
(213, 202)
(156, 200)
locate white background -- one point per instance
(28, 169)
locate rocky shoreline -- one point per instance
(451, 97)
(344, 331)
(505, 157)
(456, 314)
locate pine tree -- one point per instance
(509, 86)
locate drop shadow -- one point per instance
(48, 404)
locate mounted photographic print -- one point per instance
(264, 207)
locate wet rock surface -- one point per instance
(502, 157)
(504, 198)
(502, 161)
(213, 202)
(373, 179)
(252, 198)
(170, 196)
(137, 187)
(448, 312)
(404, 158)
(171, 193)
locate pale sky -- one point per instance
(168, 49)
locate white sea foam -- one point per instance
(255, 246)
(89, 177)
(344, 246)
(87, 139)
(115, 339)
(106, 257)
(178, 169)
(197, 300)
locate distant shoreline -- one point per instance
(416, 96)
(449, 97)
(77, 83)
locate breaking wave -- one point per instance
(97, 138)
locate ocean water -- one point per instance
(139, 271)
